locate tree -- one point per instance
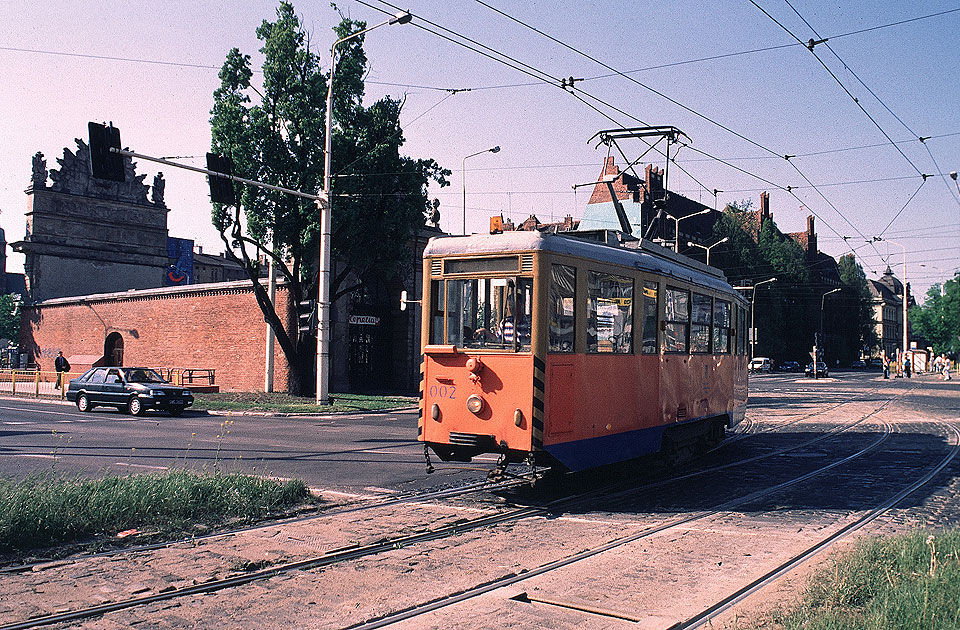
(938, 318)
(856, 327)
(380, 196)
(10, 317)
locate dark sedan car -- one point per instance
(130, 389)
(821, 370)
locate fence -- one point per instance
(34, 382)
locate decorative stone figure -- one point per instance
(39, 177)
(158, 184)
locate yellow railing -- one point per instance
(35, 382)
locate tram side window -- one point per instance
(436, 312)
(721, 327)
(609, 313)
(563, 296)
(700, 329)
(650, 312)
(741, 330)
(676, 320)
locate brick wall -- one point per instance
(217, 326)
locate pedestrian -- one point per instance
(947, 364)
(61, 365)
(886, 367)
(906, 366)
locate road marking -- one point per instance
(12, 422)
(141, 466)
(39, 456)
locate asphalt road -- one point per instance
(354, 453)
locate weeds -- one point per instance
(45, 510)
(285, 403)
(908, 582)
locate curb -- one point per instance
(228, 412)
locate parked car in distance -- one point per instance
(759, 364)
(876, 364)
(858, 365)
(821, 370)
(789, 366)
(130, 389)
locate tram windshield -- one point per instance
(487, 313)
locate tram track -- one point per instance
(711, 612)
(354, 552)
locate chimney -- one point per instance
(654, 179)
(811, 236)
(765, 207)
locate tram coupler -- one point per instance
(426, 456)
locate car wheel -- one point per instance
(83, 403)
(175, 411)
(135, 407)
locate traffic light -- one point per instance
(307, 316)
(104, 164)
(221, 188)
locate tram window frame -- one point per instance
(701, 323)
(676, 320)
(742, 330)
(722, 326)
(651, 318)
(596, 286)
(437, 312)
(563, 310)
(499, 316)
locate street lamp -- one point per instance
(708, 247)
(326, 208)
(463, 179)
(953, 176)
(820, 339)
(877, 238)
(753, 296)
(676, 224)
(940, 275)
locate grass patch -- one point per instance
(44, 511)
(907, 582)
(285, 403)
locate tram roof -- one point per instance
(640, 254)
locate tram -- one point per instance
(575, 350)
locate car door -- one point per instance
(113, 388)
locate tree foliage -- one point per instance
(10, 317)
(938, 318)
(275, 135)
(856, 324)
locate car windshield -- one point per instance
(141, 375)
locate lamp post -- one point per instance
(816, 346)
(326, 208)
(676, 225)
(877, 238)
(753, 296)
(463, 179)
(940, 275)
(708, 247)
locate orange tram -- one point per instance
(576, 350)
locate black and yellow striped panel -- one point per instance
(420, 403)
(539, 369)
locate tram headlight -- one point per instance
(435, 412)
(474, 404)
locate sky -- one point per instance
(735, 76)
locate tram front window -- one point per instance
(489, 313)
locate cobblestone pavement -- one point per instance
(648, 582)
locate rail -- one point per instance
(35, 382)
(188, 376)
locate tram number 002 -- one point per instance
(443, 391)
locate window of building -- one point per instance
(721, 326)
(563, 297)
(677, 320)
(651, 311)
(702, 318)
(609, 313)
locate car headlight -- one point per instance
(157, 392)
